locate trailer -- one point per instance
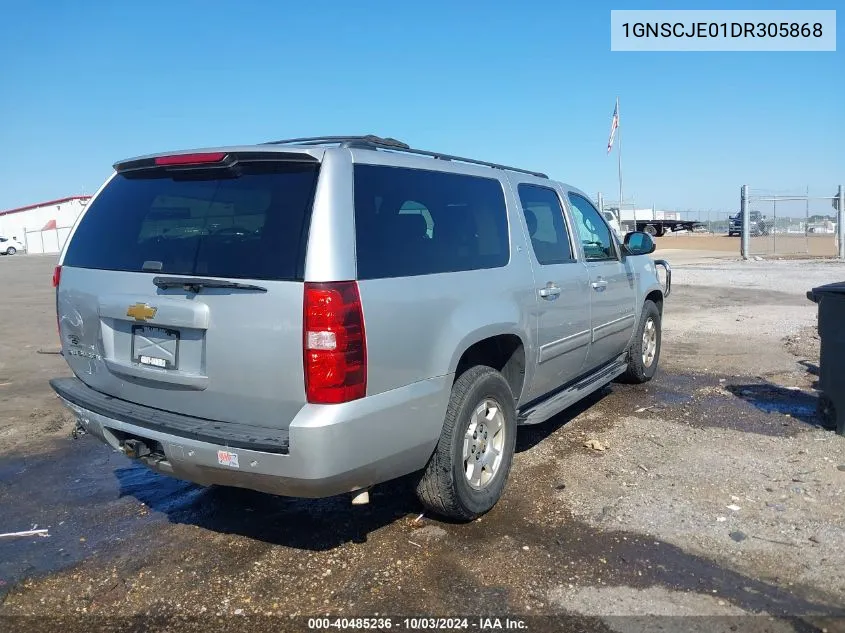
(659, 228)
(655, 223)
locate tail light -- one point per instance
(334, 343)
(57, 278)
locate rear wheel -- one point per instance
(644, 352)
(11, 250)
(467, 473)
(651, 230)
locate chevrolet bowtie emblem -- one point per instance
(141, 312)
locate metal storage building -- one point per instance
(42, 227)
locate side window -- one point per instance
(412, 222)
(546, 227)
(592, 230)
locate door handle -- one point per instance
(551, 291)
(599, 284)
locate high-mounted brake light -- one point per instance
(334, 343)
(191, 159)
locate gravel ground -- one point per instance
(726, 313)
(732, 503)
(29, 414)
(717, 493)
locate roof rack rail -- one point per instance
(371, 141)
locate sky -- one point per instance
(531, 84)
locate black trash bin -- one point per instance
(831, 324)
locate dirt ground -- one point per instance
(821, 245)
(718, 495)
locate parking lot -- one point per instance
(717, 492)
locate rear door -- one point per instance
(562, 295)
(181, 287)
(612, 283)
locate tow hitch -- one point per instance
(78, 430)
(135, 449)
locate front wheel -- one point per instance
(11, 250)
(651, 230)
(466, 475)
(644, 352)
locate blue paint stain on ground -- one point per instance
(773, 399)
(750, 406)
(787, 408)
(82, 492)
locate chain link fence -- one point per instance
(782, 222)
(46, 240)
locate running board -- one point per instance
(550, 407)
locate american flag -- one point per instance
(613, 125)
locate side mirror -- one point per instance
(639, 243)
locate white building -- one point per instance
(43, 227)
(822, 227)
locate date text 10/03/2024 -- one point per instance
(418, 624)
(723, 29)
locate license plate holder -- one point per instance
(155, 347)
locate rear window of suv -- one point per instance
(412, 222)
(252, 226)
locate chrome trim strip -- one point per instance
(564, 345)
(611, 327)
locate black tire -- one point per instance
(638, 371)
(651, 230)
(443, 487)
(11, 250)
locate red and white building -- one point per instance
(42, 227)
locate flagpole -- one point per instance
(619, 155)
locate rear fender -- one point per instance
(479, 322)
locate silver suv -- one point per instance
(316, 316)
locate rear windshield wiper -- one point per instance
(195, 284)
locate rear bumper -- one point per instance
(327, 449)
